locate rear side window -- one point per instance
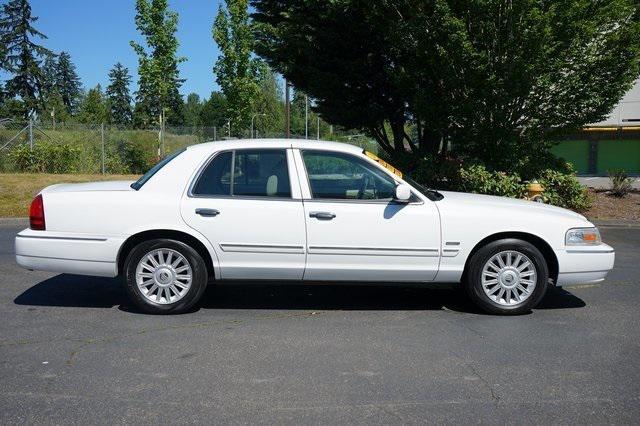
(251, 172)
(145, 177)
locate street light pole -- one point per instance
(253, 118)
(287, 110)
(306, 117)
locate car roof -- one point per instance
(276, 143)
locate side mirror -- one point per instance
(403, 193)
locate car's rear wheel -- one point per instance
(165, 276)
(507, 277)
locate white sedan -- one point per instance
(303, 211)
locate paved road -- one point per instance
(604, 182)
(72, 350)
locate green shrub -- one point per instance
(561, 188)
(126, 157)
(135, 158)
(564, 190)
(46, 157)
(620, 183)
(478, 179)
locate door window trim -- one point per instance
(313, 199)
(204, 166)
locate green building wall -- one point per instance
(606, 154)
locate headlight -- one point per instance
(582, 237)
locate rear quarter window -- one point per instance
(145, 177)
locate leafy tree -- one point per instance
(118, 95)
(192, 110)
(493, 78)
(93, 109)
(159, 82)
(23, 54)
(68, 82)
(236, 71)
(270, 103)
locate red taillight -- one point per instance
(36, 214)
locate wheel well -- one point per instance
(190, 240)
(539, 243)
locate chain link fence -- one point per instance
(100, 148)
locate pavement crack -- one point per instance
(486, 383)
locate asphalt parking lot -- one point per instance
(73, 350)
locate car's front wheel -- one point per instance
(507, 277)
(165, 276)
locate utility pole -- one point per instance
(306, 117)
(318, 136)
(229, 128)
(287, 111)
(215, 136)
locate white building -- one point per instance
(627, 112)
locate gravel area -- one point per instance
(606, 207)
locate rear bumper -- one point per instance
(67, 253)
(580, 265)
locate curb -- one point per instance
(616, 223)
(14, 220)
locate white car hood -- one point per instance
(513, 205)
(113, 185)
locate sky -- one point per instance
(97, 34)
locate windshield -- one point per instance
(429, 193)
(145, 177)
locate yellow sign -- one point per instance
(383, 163)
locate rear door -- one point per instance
(355, 231)
(245, 204)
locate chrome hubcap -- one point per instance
(509, 278)
(163, 276)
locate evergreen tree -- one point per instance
(214, 111)
(93, 109)
(68, 83)
(192, 110)
(159, 80)
(54, 108)
(49, 75)
(23, 54)
(118, 95)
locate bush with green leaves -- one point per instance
(561, 188)
(620, 183)
(46, 157)
(478, 179)
(564, 190)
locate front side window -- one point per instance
(336, 175)
(251, 172)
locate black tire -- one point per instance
(195, 291)
(473, 276)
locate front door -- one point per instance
(356, 232)
(243, 203)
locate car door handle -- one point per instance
(322, 215)
(207, 212)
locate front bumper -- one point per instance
(581, 265)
